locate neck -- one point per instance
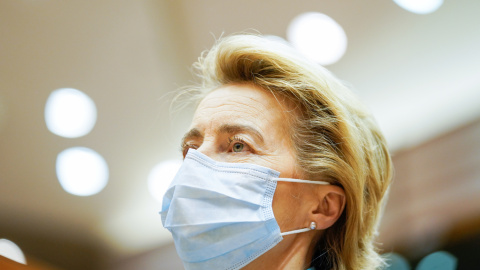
(293, 252)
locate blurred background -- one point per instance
(118, 64)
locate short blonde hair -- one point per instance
(334, 137)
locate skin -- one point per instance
(246, 124)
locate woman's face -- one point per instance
(245, 124)
(241, 123)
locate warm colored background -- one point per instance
(420, 74)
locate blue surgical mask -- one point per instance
(220, 214)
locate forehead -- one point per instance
(243, 104)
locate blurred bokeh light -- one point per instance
(70, 113)
(318, 36)
(82, 171)
(161, 176)
(10, 250)
(420, 6)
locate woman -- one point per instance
(283, 167)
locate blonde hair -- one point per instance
(334, 137)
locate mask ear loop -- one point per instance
(313, 225)
(300, 181)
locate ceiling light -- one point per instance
(70, 113)
(161, 176)
(10, 250)
(278, 39)
(318, 37)
(419, 6)
(81, 171)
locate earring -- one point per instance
(313, 225)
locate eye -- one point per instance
(185, 148)
(238, 147)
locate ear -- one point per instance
(328, 207)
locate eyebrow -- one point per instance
(228, 129)
(192, 133)
(238, 128)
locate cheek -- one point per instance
(283, 161)
(286, 205)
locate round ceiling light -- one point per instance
(10, 250)
(81, 171)
(419, 6)
(70, 113)
(161, 176)
(318, 37)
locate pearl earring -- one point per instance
(313, 225)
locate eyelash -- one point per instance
(239, 140)
(236, 138)
(185, 146)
